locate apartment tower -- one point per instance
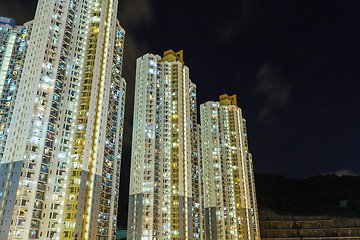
(165, 197)
(229, 189)
(62, 105)
(14, 41)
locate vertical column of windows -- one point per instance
(64, 97)
(243, 173)
(175, 183)
(202, 190)
(205, 140)
(165, 128)
(237, 176)
(12, 80)
(149, 153)
(8, 37)
(81, 123)
(112, 152)
(157, 152)
(219, 171)
(195, 165)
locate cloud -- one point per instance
(272, 86)
(344, 172)
(135, 13)
(246, 17)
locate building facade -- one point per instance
(14, 41)
(229, 188)
(165, 194)
(62, 137)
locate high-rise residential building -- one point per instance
(165, 195)
(229, 188)
(14, 41)
(62, 107)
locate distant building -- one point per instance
(229, 188)
(61, 122)
(165, 186)
(121, 234)
(7, 21)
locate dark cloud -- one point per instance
(271, 86)
(133, 49)
(344, 172)
(133, 14)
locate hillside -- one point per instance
(328, 195)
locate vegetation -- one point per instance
(321, 195)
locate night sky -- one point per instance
(294, 66)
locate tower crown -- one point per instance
(228, 100)
(172, 56)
